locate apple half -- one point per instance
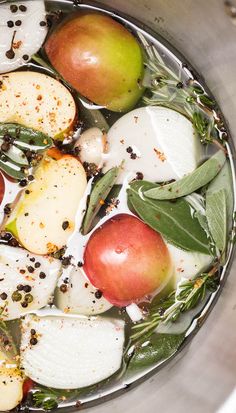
(44, 217)
(49, 107)
(11, 383)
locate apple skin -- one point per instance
(126, 260)
(100, 58)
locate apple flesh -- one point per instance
(100, 58)
(37, 101)
(44, 217)
(127, 260)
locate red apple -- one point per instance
(126, 260)
(100, 58)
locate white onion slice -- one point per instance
(71, 352)
(21, 31)
(16, 269)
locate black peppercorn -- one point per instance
(10, 54)
(63, 288)
(13, 8)
(5, 146)
(33, 341)
(27, 288)
(66, 261)
(7, 209)
(27, 192)
(23, 182)
(25, 57)
(22, 8)
(42, 275)
(31, 177)
(24, 304)
(10, 23)
(139, 176)
(37, 264)
(133, 156)
(65, 225)
(18, 22)
(20, 287)
(80, 264)
(13, 242)
(32, 332)
(6, 236)
(42, 23)
(129, 149)
(98, 294)
(3, 296)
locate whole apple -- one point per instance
(100, 58)
(126, 260)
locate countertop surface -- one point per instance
(203, 379)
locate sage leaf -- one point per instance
(16, 155)
(224, 181)
(191, 182)
(98, 195)
(159, 348)
(216, 212)
(12, 169)
(174, 220)
(25, 138)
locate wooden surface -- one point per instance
(205, 376)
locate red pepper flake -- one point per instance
(160, 155)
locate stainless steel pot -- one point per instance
(204, 378)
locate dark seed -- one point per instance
(30, 178)
(33, 341)
(24, 304)
(3, 296)
(22, 8)
(42, 23)
(37, 264)
(20, 287)
(13, 8)
(32, 332)
(179, 85)
(66, 261)
(98, 294)
(27, 192)
(18, 22)
(133, 156)
(8, 138)
(80, 264)
(139, 176)
(129, 149)
(10, 54)
(13, 243)
(7, 209)
(65, 225)
(10, 23)
(27, 288)
(42, 275)
(6, 236)
(5, 146)
(23, 182)
(25, 57)
(32, 259)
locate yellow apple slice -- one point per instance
(44, 217)
(11, 384)
(37, 101)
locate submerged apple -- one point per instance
(126, 260)
(100, 58)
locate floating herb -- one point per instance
(191, 182)
(98, 195)
(216, 213)
(174, 221)
(166, 88)
(153, 349)
(16, 141)
(187, 295)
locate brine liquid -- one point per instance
(59, 9)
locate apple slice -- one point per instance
(37, 101)
(44, 217)
(71, 352)
(27, 281)
(11, 384)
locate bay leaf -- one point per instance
(98, 195)
(191, 182)
(216, 213)
(174, 220)
(159, 348)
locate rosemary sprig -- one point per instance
(187, 295)
(166, 88)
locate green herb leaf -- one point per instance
(191, 182)
(216, 213)
(12, 169)
(98, 195)
(26, 138)
(159, 347)
(16, 155)
(174, 221)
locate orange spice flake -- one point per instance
(160, 155)
(16, 45)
